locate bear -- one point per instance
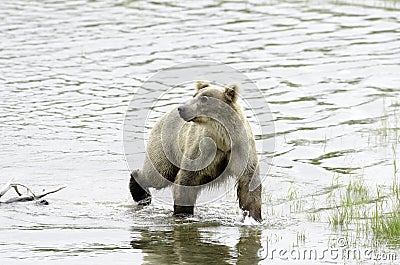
(203, 141)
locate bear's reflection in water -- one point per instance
(192, 244)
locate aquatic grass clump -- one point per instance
(352, 205)
(356, 193)
(296, 200)
(388, 227)
(340, 217)
(357, 207)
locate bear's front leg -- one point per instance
(250, 200)
(139, 194)
(185, 193)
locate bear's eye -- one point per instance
(203, 99)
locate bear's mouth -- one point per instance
(187, 117)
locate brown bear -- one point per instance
(201, 143)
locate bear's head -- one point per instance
(207, 99)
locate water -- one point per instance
(68, 70)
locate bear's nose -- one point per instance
(180, 108)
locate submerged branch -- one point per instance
(49, 192)
(15, 186)
(6, 187)
(24, 198)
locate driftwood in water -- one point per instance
(24, 198)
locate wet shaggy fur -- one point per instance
(196, 128)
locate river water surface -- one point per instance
(69, 69)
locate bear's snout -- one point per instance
(186, 113)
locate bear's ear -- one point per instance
(202, 84)
(231, 93)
